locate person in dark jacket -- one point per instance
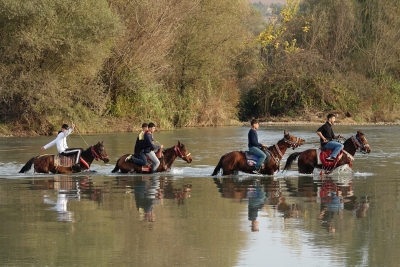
(254, 146)
(150, 147)
(139, 157)
(327, 137)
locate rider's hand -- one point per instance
(340, 136)
(73, 126)
(42, 148)
(161, 146)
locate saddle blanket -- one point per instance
(63, 161)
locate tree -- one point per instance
(51, 53)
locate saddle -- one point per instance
(64, 161)
(251, 159)
(68, 161)
(147, 168)
(323, 153)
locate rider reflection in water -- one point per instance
(256, 198)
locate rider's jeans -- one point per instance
(140, 159)
(336, 146)
(154, 159)
(258, 152)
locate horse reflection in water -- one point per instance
(259, 193)
(150, 191)
(67, 188)
(336, 196)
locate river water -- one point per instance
(188, 218)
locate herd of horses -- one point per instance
(229, 164)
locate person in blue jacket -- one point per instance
(255, 146)
(150, 147)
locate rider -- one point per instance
(139, 157)
(326, 135)
(61, 143)
(150, 147)
(254, 146)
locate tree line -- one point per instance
(186, 63)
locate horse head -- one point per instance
(99, 152)
(360, 142)
(182, 152)
(293, 141)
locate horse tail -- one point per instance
(27, 166)
(290, 159)
(116, 167)
(219, 166)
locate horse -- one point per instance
(308, 159)
(169, 156)
(63, 165)
(235, 161)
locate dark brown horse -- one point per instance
(50, 163)
(307, 160)
(235, 161)
(169, 156)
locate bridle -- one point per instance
(292, 144)
(178, 152)
(279, 155)
(358, 144)
(96, 155)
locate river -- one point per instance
(187, 218)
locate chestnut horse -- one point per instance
(46, 163)
(235, 161)
(169, 156)
(307, 160)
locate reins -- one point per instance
(279, 155)
(81, 136)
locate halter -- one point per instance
(358, 144)
(179, 153)
(291, 143)
(95, 155)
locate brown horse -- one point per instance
(307, 160)
(235, 161)
(169, 156)
(49, 163)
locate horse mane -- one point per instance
(348, 146)
(87, 151)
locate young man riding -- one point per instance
(254, 146)
(327, 137)
(139, 157)
(150, 147)
(62, 147)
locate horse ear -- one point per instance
(285, 133)
(179, 143)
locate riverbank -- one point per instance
(126, 125)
